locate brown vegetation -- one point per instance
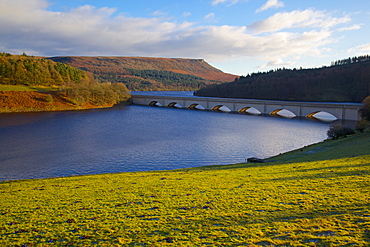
(196, 67)
(30, 101)
(27, 101)
(58, 86)
(144, 73)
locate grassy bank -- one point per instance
(24, 88)
(30, 100)
(22, 98)
(317, 196)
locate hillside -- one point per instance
(144, 73)
(33, 101)
(30, 83)
(346, 80)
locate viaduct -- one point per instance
(325, 111)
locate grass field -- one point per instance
(317, 196)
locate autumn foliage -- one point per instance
(71, 88)
(147, 74)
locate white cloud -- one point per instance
(158, 13)
(28, 26)
(215, 2)
(276, 63)
(354, 27)
(270, 4)
(186, 14)
(361, 49)
(209, 16)
(231, 2)
(296, 19)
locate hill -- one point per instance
(30, 83)
(347, 80)
(148, 74)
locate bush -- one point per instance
(365, 111)
(49, 98)
(362, 125)
(336, 131)
(98, 94)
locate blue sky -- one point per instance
(236, 36)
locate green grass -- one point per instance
(315, 197)
(27, 88)
(15, 88)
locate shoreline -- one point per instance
(319, 202)
(30, 101)
(327, 149)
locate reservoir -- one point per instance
(141, 138)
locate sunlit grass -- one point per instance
(27, 88)
(306, 203)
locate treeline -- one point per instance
(170, 79)
(147, 80)
(29, 70)
(348, 83)
(351, 60)
(77, 85)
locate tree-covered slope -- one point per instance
(144, 73)
(29, 70)
(346, 80)
(30, 83)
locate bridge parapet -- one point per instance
(345, 111)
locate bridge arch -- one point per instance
(221, 108)
(283, 113)
(322, 115)
(250, 110)
(174, 105)
(155, 103)
(196, 106)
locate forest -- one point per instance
(79, 86)
(346, 80)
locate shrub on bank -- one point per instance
(98, 94)
(336, 131)
(362, 125)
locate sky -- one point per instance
(235, 36)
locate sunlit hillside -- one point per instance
(30, 83)
(145, 73)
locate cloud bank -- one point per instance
(28, 26)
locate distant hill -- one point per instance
(346, 80)
(144, 73)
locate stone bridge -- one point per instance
(326, 111)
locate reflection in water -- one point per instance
(138, 138)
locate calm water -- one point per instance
(140, 138)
